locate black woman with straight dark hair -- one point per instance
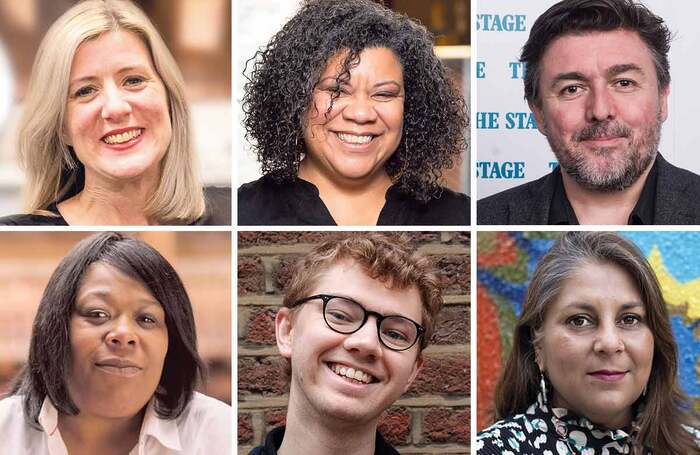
(113, 361)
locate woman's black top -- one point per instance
(217, 213)
(544, 430)
(273, 441)
(265, 202)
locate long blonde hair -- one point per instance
(50, 165)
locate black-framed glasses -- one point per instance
(344, 315)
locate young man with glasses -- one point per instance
(357, 314)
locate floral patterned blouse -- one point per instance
(554, 431)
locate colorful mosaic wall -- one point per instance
(506, 261)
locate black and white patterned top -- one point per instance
(554, 431)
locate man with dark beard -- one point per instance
(597, 81)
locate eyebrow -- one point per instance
(623, 68)
(125, 69)
(378, 84)
(107, 297)
(592, 308)
(610, 72)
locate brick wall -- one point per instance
(432, 417)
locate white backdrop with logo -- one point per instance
(510, 150)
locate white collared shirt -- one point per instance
(204, 427)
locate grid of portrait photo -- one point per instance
(357, 227)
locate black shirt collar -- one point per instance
(561, 212)
(273, 441)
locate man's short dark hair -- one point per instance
(575, 17)
(49, 363)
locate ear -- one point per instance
(663, 103)
(284, 332)
(539, 360)
(417, 366)
(539, 117)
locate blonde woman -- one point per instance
(105, 136)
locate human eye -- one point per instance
(571, 91)
(385, 95)
(95, 316)
(148, 319)
(339, 316)
(395, 335)
(625, 83)
(133, 81)
(579, 321)
(84, 92)
(630, 320)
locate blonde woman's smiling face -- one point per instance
(596, 346)
(117, 117)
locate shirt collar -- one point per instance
(561, 212)
(164, 431)
(569, 426)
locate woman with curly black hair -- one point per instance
(353, 119)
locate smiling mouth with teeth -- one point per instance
(121, 138)
(355, 139)
(356, 376)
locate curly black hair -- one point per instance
(283, 76)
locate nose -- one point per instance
(115, 105)
(122, 334)
(601, 105)
(608, 340)
(366, 340)
(359, 108)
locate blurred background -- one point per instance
(197, 32)
(202, 259)
(505, 262)
(448, 20)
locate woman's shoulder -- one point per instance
(448, 207)
(218, 207)
(266, 201)
(204, 426)
(32, 220)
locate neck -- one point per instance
(85, 434)
(350, 201)
(598, 207)
(310, 433)
(109, 202)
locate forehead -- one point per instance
(604, 286)
(347, 278)
(111, 50)
(374, 63)
(592, 53)
(104, 279)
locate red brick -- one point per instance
(245, 428)
(446, 425)
(264, 376)
(462, 237)
(251, 275)
(452, 326)
(454, 273)
(283, 272)
(395, 425)
(248, 239)
(275, 417)
(443, 375)
(261, 327)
